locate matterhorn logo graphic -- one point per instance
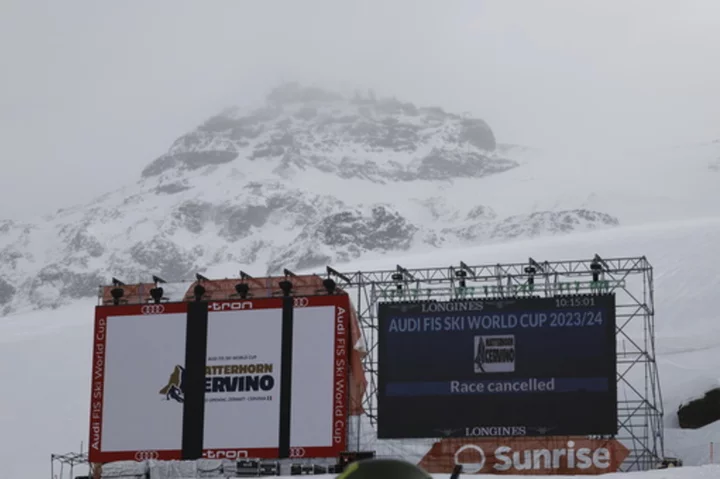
(175, 386)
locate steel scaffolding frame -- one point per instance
(70, 460)
(640, 409)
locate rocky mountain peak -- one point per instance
(302, 128)
(310, 178)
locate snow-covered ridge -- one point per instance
(313, 178)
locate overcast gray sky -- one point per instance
(91, 91)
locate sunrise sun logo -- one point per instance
(175, 386)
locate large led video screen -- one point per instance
(498, 367)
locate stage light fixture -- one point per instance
(530, 270)
(398, 278)
(116, 294)
(596, 268)
(286, 287)
(406, 274)
(461, 275)
(242, 290)
(157, 294)
(199, 292)
(329, 285)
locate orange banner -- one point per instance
(558, 455)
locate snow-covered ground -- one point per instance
(702, 472)
(45, 356)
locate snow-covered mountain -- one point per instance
(314, 178)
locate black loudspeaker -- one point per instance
(346, 457)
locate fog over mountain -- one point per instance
(315, 178)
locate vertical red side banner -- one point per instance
(97, 383)
(341, 387)
(341, 364)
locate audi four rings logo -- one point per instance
(300, 302)
(146, 455)
(152, 309)
(297, 452)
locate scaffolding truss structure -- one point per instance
(640, 410)
(63, 465)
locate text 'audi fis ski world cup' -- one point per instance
(539, 364)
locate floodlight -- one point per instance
(531, 270)
(398, 278)
(157, 294)
(461, 274)
(407, 274)
(116, 294)
(536, 265)
(242, 289)
(329, 285)
(199, 292)
(596, 268)
(286, 287)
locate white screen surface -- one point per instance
(142, 353)
(312, 378)
(237, 342)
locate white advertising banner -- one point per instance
(242, 379)
(311, 420)
(138, 352)
(138, 387)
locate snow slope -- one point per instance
(45, 356)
